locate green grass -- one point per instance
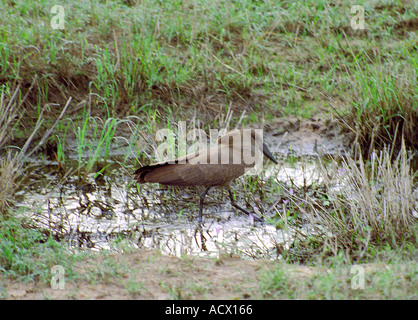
(28, 254)
(390, 278)
(98, 145)
(384, 107)
(168, 52)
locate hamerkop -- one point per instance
(235, 153)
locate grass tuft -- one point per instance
(365, 205)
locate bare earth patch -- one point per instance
(150, 275)
(306, 137)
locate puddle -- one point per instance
(96, 216)
(101, 213)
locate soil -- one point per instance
(149, 275)
(306, 137)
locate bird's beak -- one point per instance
(268, 154)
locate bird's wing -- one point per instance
(194, 174)
(198, 169)
(140, 173)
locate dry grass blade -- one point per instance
(8, 112)
(381, 193)
(367, 204)
(10, 165)
(48, 133)
(9, 172)
(374, 203)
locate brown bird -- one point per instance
(235, 153)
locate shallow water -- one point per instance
(100, 214)
(110, 212)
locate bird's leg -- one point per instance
(202, 197)
(234, 204)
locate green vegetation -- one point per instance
(28, 254)
(393, 279)
(204, 55)
(121, 70)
